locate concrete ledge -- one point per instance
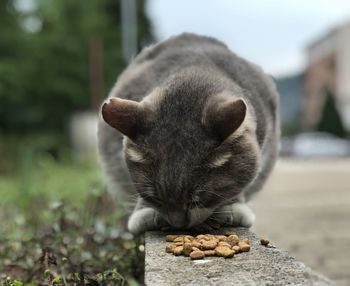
(261, 266)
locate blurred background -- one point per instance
(59, 59)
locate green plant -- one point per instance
(330, 120)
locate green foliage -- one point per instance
(57, 224)
(59, 227)
(44, 68)
(331, 121)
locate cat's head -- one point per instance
(187, 154)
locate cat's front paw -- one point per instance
(145, 219)
(238, 214)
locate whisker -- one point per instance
(211, 192)
(223, 212)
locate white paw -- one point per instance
(144, 219)
(238, 214)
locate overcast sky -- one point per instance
(271, 33)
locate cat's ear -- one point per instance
(224, 117)
(127, 116)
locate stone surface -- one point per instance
(261, 266)
(312, 198)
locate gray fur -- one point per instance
(179, 82)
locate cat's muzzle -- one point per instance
(177, 219)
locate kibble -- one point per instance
(221, 237)
(233, 239)
(224, 243)
(206, 245)
(170, 248)
(198, 254)
(224, 251)
(209, 252)
(187, 248)
(209, 245)
(178, 250)
(236, 248)
(264, 242)
(244, 247)
(196, 243)
(246, 240)
(179, 239)
(188, 238)
(201, 236)
(170, 238)
(228, 233)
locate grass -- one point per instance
(59, 227)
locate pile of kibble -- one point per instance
(204, 245)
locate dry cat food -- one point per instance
(264, 242)
(205, 245)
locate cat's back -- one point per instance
(187, 44)
(155, 64)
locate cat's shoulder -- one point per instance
(175, 44)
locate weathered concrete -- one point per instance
(312, 198)
(261, 266)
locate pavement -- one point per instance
(305, 209)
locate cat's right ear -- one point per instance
(127, 116)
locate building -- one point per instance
(328, 67)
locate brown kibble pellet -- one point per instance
(224, 251)
(221, 250)
(196, 243)
(170, 248)
(201, 236)
(179, 239)
(209, 252)
(228, 233)
(195, 248)
(244, 247)
(241, 243)
(188, 238)
(209, 245)
(198, 254)
(236, 248)
(229, 253)
(201, 241)
(246, 240)
(264, 242)
(224, 243)
(170, 237)
(178, 250)
(187, 248)
(233, 239)
(221, 237)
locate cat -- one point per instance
(188, 133)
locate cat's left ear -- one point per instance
(224, 117)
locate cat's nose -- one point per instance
(177, 220)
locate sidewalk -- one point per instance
(305, 209)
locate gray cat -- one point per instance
(189, 133)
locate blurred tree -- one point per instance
(44, 58)
(331, 121)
